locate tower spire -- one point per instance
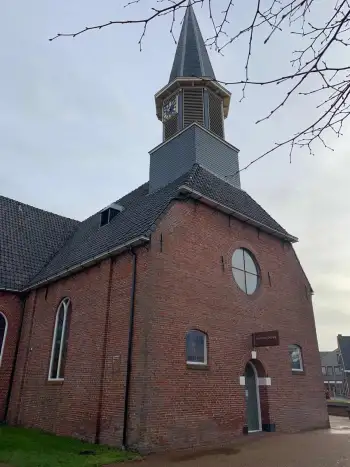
(192, 108)
(191, 57)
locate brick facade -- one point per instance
(11, 308)
(181, 284)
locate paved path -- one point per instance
(328, 448)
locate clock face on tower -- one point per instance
(170, 109)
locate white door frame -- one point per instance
(257, 397)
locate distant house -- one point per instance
(336, 368)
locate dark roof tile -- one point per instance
(90, 240)
(235, 198)
(29, 237)
(37, 246)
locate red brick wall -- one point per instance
(180, 285)
(188, 288)
(71, 407)
(10, 306)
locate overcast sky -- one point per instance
(78, 118)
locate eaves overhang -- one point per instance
(90, 262)
(227, 210)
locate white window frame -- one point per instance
(246, 273)
(5, 334)
(301, 369)
(190, 362)
(65, 303)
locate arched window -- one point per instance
(196, 348)
(3, 331)
(245, 270)
(60, 341)
(296, 357)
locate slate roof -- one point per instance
(140, 216)
(38, 246)
(235, 198)
(344, 347)
(90, 240)
(191, 58)
(29, 237)
(331, 359)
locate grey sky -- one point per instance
(78, 119)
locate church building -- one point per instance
(177, 316)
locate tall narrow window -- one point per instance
(60, 341)
(296, 357)
(196, 348)
(3, 331)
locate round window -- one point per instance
(245, 271)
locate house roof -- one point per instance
(329, 358)
(191, 57)
(29, 237)
(344, 347)
(38, 247)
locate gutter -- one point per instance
(227, 210)
(5, 289)
(14, 364)
(85, 264)
(130, 344)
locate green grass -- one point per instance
(20, 447)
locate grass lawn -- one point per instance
(20, 447)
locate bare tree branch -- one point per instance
(314, 68)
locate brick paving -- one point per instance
(326, 448)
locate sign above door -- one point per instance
(265, 339)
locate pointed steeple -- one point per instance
(191, 58)
(192, 108)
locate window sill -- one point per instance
(55, 382)
(194, 366)
(298, 372)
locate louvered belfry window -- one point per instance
(216, 122)
(193, 106)
(171, 127)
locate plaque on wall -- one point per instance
(265, 339)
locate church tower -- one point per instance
(192, 108)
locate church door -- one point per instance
(253, 414)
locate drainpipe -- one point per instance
(104, 353)
(14, 363)
(130, 344)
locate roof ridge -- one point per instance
(38, 209)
